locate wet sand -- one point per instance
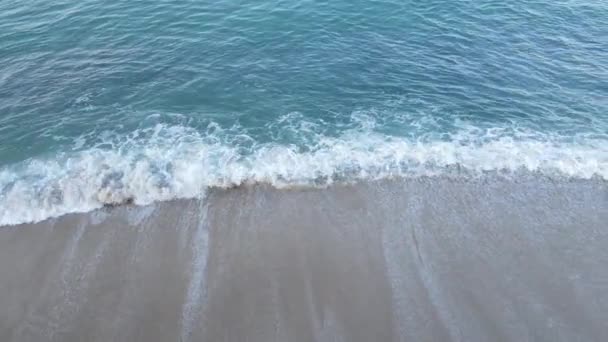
(429, 259)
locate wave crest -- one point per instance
(177, 162)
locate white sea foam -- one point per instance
(176, 162)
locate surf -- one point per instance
(176, 162)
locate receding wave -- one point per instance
(178, 162)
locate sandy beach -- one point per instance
(426, 259)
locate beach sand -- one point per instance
(422, 259)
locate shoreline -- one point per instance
(488, 177)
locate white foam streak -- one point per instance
(184, 166)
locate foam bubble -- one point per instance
(168, 162)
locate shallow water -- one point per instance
(104, 103)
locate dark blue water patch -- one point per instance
(78, 69)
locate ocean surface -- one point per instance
(107, 102)
(303, 170)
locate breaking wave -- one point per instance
(170, 161)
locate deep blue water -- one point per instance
(106, 101)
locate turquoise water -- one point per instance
(105, 102)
